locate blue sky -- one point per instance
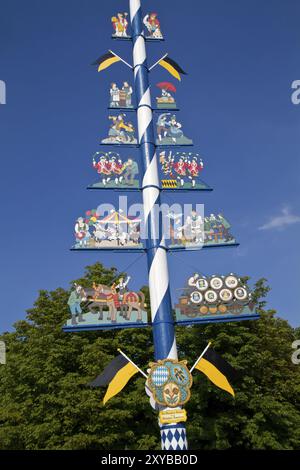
(241, 58)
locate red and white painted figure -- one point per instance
(181, 168)
(152, 24)
(120, 25)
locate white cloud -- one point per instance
(280, 221)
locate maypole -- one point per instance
(160, 298)
(204, 299)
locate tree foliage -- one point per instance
(45, 404)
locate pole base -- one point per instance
(173, 437)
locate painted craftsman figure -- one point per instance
(120, 131)
(195, 225)
(103, 167)
(116, 168)
(120, 97)
(126, 95)
(166, 100)
(114, 96)
(152, 24)
(169, 131)
(180, 169)
(120, 25)
(161, 125)
(121, 288)
(217, 229)
(167, 163)
(166, 96)
(226, 226)
(192, 281)
(194, 168)
(76, 297)
(174, 131)
(130, 171)
(193, 230)
(82, 234)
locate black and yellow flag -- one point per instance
(116, 375)
(217, 370)
(106, 60)
(172, 67)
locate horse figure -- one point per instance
(101, 295)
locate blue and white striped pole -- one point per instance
(173, 436)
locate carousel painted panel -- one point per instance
(215, 298)
(106, 307)
(181, 170)
(115, 171)
(112, 231)
(170, 131)
(194, 231)
(121, 131)
(121, 96)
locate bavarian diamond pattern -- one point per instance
(160, 375)
(173, 438)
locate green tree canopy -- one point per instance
(45, 404)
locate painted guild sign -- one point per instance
(121, 131)
(214, 298)
(120, 97)
(114, 230)
(115, 171)
(197, 231)
(170, 382)
(152, 26)
(181, 170)
(166, 99)
(120, 25)
(105, 307)
(170, 132)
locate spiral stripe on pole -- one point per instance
(149, 201)
(151, 173)
(139, 51)
(144, 116)
(146, 99)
